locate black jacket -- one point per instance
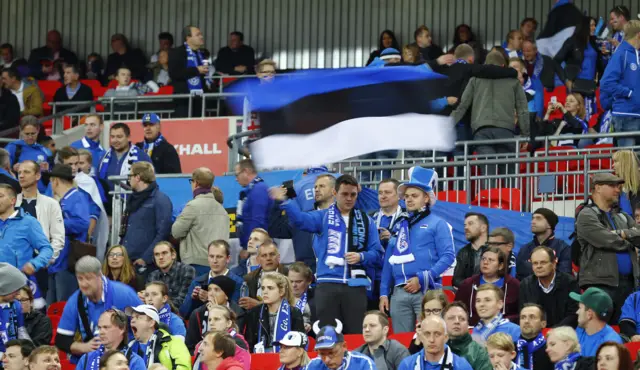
(560, 309)
(39, 327)
(9, 110)
(133, 59)
(573, 57)
(540, 358)
(164, 157)
(228, 59)
(44, 53)
(179, 72)
(432, 52)
(252, 323)
(465, 264)
(198, 324)
(84, 94)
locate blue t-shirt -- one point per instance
(499, 283)
(625, 267)
(589, 343)
(588, 71)
(631, 310)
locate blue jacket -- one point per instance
(409, 363)
(355, 361)
(189, 304)
(75, 214)
(22, 235)
(176, 326)
(316, 222)
(431, 242)
(97, 151)
(255, 211)
(563, 253)
(34, 152)
(148, 225)
(135, 362)
(620, 79)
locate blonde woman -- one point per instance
(573, 121)
(625, 166)
(563, 349)
(222, 320)
(277, 307)
(293, 353)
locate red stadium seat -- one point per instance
(55, 309)
(633, 348)
(49, 88)
(353, 341)
(450, 293)
(502, 198)
(165, 90)
(600, 163)
(453, 196)
(55, 320)
(312, 344)
(265, 361)
(404, 338)
(447, 280)
(66, 365)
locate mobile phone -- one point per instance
(554, 100)
(291, 193)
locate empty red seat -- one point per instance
(353, 341)
(600, 163)
(265, 361)
(453, 196)
(633, 348)
(55, 309)
(447, 280)
(49, 88)
(502, 198)
(55, 320)
(404, 338)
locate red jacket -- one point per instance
(229, 364)
(467, 294)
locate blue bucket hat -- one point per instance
(424, 179)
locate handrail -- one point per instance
(76, 108)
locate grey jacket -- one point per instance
(599, 244)
(495, 103)
(388, 356)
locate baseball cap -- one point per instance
(606, 178)
(595, 299)
(328, 337)
(151, 118)
(145, 309)
(294, 339)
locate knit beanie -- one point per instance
(549, 215)
(11, 279)
(390, 53)
(225, 283)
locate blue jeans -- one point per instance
(625, 124)
(62, 284)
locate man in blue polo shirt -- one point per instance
(83, 309)
(594, 308)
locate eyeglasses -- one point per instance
(433, 311)
(115, 254)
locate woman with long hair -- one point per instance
(387, 40)
(464, 35)
(223, 320)
(433, 302)
(157, 294)
(293, 353)
(267, 323)
(37, 323)
(411, 54)
(563, 349)
(613, 356)
(626, 167)
(573, 121)
(117, 267)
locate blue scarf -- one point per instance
(585, 126)
(8, 324)
(526, 362)
(148, 147)
(93, 358)
(302, 302)
(402, 251)
(281, 328)
(527, 86)
(461, 61)
(194, 60)
(445, 363)
(485, 331)
(347, 238)
(538, 64)
(165, 314)
(107, 293)
(38, 300)
(568, 363)
(130, 158)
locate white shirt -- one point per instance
(19, 96)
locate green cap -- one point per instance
(596, 299)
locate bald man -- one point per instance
(46, 62)
(433, 335)
(201, 221)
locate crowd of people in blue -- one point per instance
(167, 296)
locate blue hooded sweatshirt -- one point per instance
(22, 235)
(75, 214)
(431, 243)
(620, 80)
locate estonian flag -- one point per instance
(561, 24)
(324, 116)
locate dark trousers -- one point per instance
(182, 107)
(491, 133)
(342, 302)
(618, 295)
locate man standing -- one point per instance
(608, 240)
(202, 220)
(489, 303)
(619, 84)
(531, 346)
(73, 90)
(147, 216)
(456, 316)
(46, 62)
(550, 289)
(118, 160)
(175, 274)
(93, 126)
(494, 102)
(96, 294)
(48, 213)
(543, 225)
(346, 244)
(433, 333)
(163, 155)
(618, 18)
(187, 69)
(595, 305)
(75, 214)
(540, 67)
(236, 58)
(528, 28)
(476, 231)
(420, 251)
(389, 210)
(386, 353)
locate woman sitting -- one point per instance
(157, 295)
(612, 355)
(433, 302)
(563, 349)
(37, 323)
(223, 321)
(573, 120)
(293, 353)
(117, 267)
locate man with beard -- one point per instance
(531, 346)
(476, 231)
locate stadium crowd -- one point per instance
(168, 297)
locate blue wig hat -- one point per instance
(424, 179)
